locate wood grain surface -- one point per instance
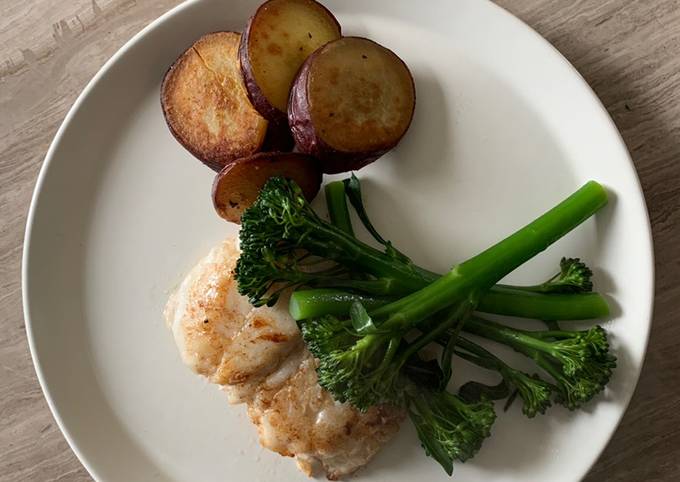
(628, 50)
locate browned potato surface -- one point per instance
(205, 103)
(352, 101)
(277, 40)
(237, 186)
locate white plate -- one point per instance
(504, 128)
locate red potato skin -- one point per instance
(251, 173)
(255, 94)
(308, 141)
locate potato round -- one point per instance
(352, 101)
(277, 40)
(237, 186)
(205, 102)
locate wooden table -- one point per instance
(628, 50)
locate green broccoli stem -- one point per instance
(456, 318)
(307, 304)
(528, 344)
(476, 354)
(332, 243)
(549, 366)
(519, 342)
(501, 301)
(552, 334)
(536, 393)
(398, 276)
(579, 306)
(375, 287)
(482, 357)
(514, 338)
(337, 206)
(390, 353)
(538, 289)
(510, 301)
(470, 279)
(542, 361)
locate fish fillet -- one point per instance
(257, 357)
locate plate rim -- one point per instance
(139, 36)
(47, 161)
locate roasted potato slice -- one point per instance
(237, 186)
(205, 103)
(352, 101)
(277, 40)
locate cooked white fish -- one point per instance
(257, 356)
(298, 418)
(219, 334)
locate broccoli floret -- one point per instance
(355, 368)
(281, 229)
(574, 277)
(576, 390)
(536, 393)
(363, 364)
(449, 427)
(579, 360)
(532, 389)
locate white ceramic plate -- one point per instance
(504, 128)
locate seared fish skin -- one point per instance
(257, 356)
